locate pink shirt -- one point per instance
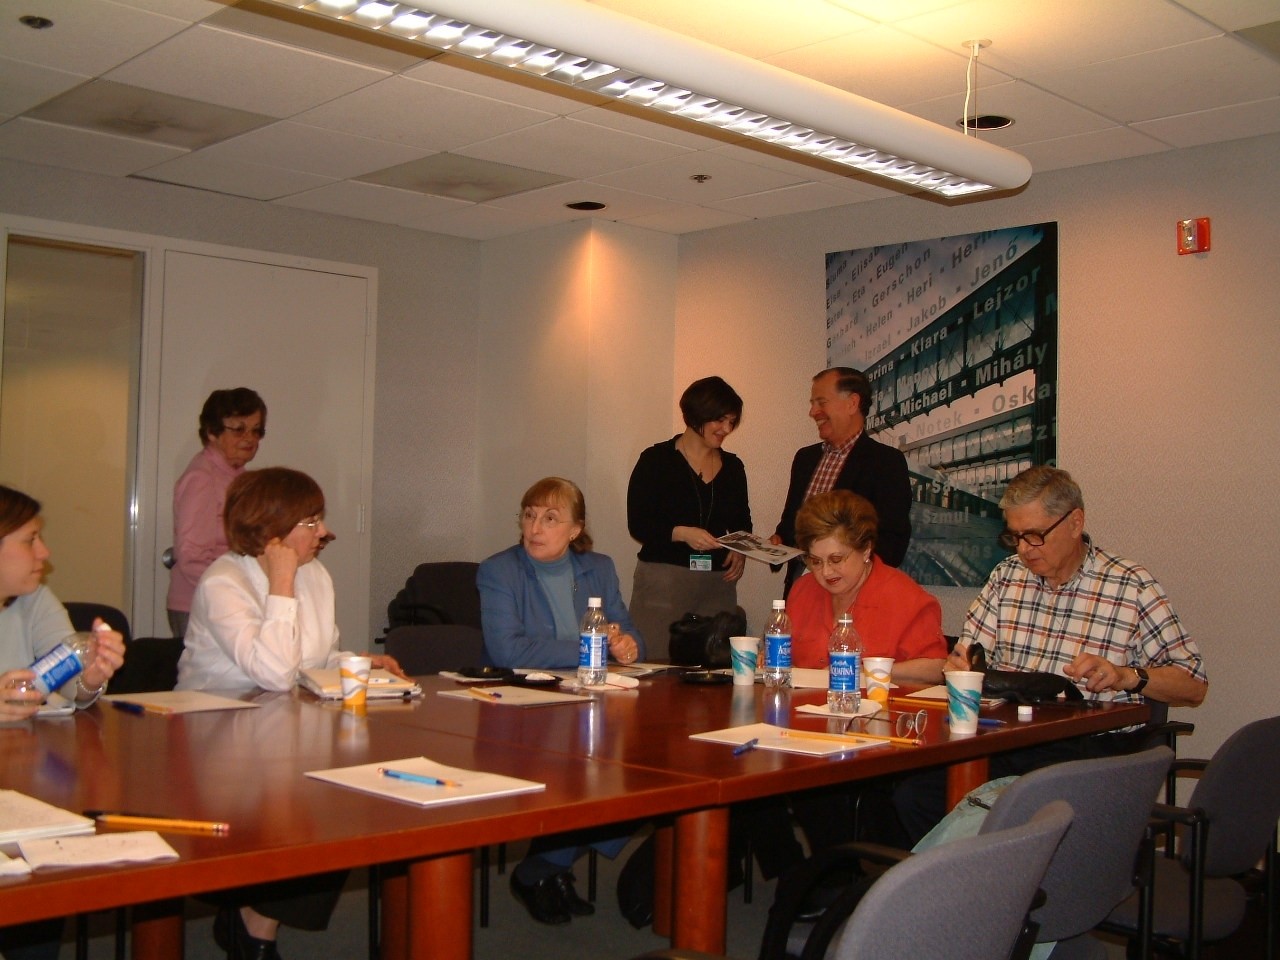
(198, 535)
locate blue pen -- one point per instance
(746, 747)
(990, 722)
(128, 707)
(418, 778)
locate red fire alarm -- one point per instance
(1193, 236)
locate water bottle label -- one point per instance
(844, 672)
(57, 667)
(591, 650)
(777, 650)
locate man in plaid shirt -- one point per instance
(1062, 605)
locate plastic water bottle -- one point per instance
(777, 647)
(64, 662)
(844, 668)
(592, 644)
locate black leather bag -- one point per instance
(704, 641)
(1016, 686)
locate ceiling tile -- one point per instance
(686, 219)
(204, 63)
(189, 10)
(1089, 148)
(23, 85)
(1171, 82)
(863, 185)
(233, 177)
(59, 146)
(481, 222)
(671, 178)
(797, 199)
(550, 202)
(1234, 14)
(1211, 126)
(320, 41)
(463, 178)
(572, 148)
(421, 115)
(649, 124)
(367, 201)
(458, 73)
(88, 36)
(122, 110)
(329, 153)
(1036, 114)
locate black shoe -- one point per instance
(635, 886)
(230, 935)
(569, 896)
(542, 899)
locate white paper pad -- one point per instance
(56, 705)
(615, 681)
(474, 784)
(867, 708)
(134, 846)
(517, 696)
(26, 818)
(326, 683)
(769, 737)
(13, 866)
(171, 702)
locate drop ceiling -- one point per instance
(257, 101)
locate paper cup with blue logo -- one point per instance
(964, 692)
(745, 651)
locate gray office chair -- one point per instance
(965, 900)
(1094, 868)
(1228, 825)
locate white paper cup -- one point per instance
(878, 671)
(744, 651)
(355, 679)
(964, 691)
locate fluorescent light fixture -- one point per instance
(643, 64)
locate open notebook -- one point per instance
(326, 684)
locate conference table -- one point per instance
(613, 757)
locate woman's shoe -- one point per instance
(542, 899)
(232, 938)
(569, 896)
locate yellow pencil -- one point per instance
(850, 737)
(136, 822)
(483, 694)
(923, 702)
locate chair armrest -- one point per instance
(1188, 765)
(1162, 813)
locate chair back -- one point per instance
(1240, 793)
(150, 663)
(430, 648)
(82, 615)
(964, 900)
(1093, 869)
(443, 592)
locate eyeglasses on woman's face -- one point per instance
(239, 430)
(817, 563)
(549, 519)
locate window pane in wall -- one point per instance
(68, 387)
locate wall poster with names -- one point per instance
(959, 338)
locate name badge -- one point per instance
(700, 561)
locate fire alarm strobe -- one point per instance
(1193, 236)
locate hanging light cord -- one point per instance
(971, 89)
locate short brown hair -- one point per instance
(236, 402)
(1057, 492)
(851, 381)
(16, 510)
(837, 513)
(559, 492)
(263, 505)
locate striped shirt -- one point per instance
(829, 467)
(1110, 607)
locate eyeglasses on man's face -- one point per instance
(1033, 538)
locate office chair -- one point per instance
(1228, 825)
(442, 592)
(921, 907)
(430, 648)
(82, 615)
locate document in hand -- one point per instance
(383, 684)
(25, 818)
(424, 782)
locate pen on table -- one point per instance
(138, 708)
(483, 694)
(850, 737)
(747, 747)
(144, 822)
(417, 778)
(985, 722)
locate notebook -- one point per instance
(326, 684)
(25, 818)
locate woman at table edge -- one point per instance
(32, 623)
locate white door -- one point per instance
(302, 338)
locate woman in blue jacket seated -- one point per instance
(533, 597)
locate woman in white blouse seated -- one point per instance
(262, 613)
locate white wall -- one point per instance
(574, 369)
(1167, 376)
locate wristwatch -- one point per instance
(1143, 677)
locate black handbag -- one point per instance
(1018, 686)
(698, 641)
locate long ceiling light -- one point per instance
(667, 71)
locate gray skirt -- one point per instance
(662, 593)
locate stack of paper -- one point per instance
(383, 684)
(425, 782)
(25, 818)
